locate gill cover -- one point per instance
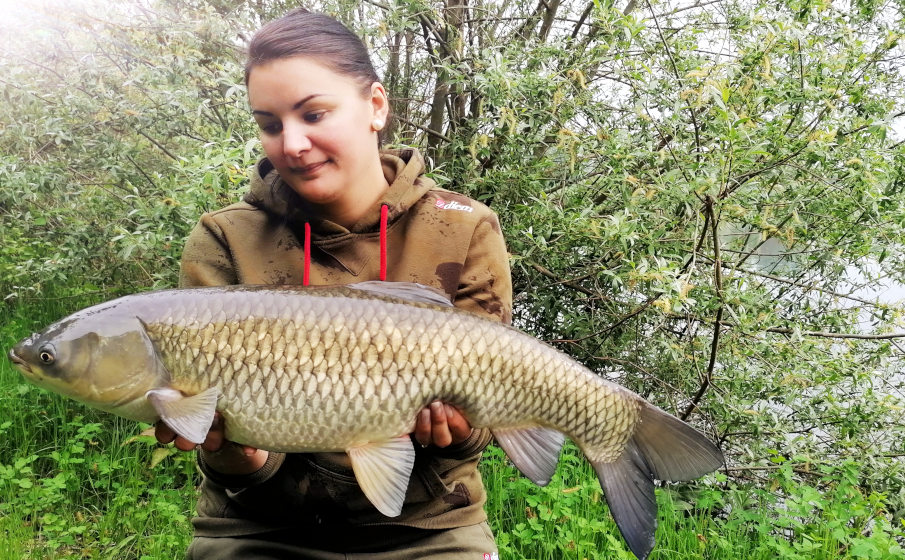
(100, 356)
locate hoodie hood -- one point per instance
(403, 170)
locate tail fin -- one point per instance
(662, 447)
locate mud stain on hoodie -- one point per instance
(449, 274)
(494, 305)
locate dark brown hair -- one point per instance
(313, 35)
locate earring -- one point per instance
(377, 124)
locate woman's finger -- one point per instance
(423, 427)
(459, 428)
(215, 436)
(183, 444)
(163, 433)
(439, 428)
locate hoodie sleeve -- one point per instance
(206, 259)
(485, 285)
(468, 449)
(238, 481)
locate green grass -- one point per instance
(76, 483)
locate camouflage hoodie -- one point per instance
(417, 233)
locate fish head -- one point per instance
(104, 360)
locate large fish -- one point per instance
(348, 369)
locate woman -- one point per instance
(327, 206)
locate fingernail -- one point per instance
(436, 406)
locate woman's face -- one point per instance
(318, 128)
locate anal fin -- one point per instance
(533, 451)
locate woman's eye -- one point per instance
(272, 128)
(314, 117)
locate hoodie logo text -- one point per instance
(453, 205)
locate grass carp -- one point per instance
(348, 368)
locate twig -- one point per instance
(158, 144)
(429, 131)
(675, 390)
(697, 248)
(799, 284)
(771, 468)
(650, 301)
(142, 171)
(715, 343)
(698, 4)
(675, 69)
(825, 334)
(581, 20)
(562, 282)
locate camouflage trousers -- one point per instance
(474, 542)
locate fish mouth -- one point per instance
(18, 362)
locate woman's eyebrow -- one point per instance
(297, 105)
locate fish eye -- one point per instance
(46, 355)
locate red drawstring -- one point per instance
(384, 211)
(307, 269)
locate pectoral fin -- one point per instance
(190, 417)
(534, 451)
(382, 470)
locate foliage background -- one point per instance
(703, 201)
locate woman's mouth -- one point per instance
(309, 169)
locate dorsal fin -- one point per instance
(409, 291)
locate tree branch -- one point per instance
(800, 285)
(634, 312)
(142, 171)
(715, 342)
(672, 388)
(543, 271)
(581, 20)
(823, 334)
(429, 131)
(675, 69)
(771, 468)
(156, 143)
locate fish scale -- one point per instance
(349, 369)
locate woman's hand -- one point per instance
(442, 425)
(220, 454)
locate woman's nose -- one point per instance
(295, 140)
